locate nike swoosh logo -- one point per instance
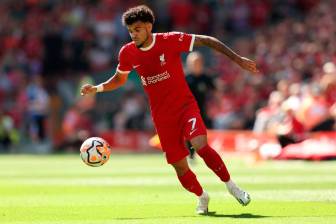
(135, 66)
(192, 132)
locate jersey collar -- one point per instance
(151, 45)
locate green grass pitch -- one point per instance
(143, 189)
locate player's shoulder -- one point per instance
(169, 35)
(160, 36)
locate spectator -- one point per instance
(38, 104)
(267, 113)
(287, 127)
(200, 84)
(132, 113)
(76, 126)
(8, 134)
(315, 112)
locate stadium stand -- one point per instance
(48, 48)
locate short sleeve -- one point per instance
(181, 42)
(124, 65)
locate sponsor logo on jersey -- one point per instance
(155, 78)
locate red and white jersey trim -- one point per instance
(151, 45)
(192, 42)
(122, 72)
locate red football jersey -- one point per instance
(160, 69)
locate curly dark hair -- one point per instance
(139, 13)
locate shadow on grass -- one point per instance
(236, 216)
(210, 214)
(156, 217)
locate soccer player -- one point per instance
(156, 59)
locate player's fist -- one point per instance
(88, 89)
(248, 65)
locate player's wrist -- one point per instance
(99, 88)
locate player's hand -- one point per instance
(88, 89)
(248, 65)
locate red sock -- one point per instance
(214, 162)
(190, 182)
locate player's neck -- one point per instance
(148, 42)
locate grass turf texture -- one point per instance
(143, 189)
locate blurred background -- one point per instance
(49, 48)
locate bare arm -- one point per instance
(116, 81)
(214, 43)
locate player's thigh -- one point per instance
(193, 125)
(171, 139)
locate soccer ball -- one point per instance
(95, 151)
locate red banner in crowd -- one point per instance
(237, 140)
(220, 140)
(321, 145)
(137, 141)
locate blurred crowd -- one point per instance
(48, 48)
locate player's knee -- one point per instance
(181, 167)
(199, 142)
(180, 171)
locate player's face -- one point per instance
(140, 32)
